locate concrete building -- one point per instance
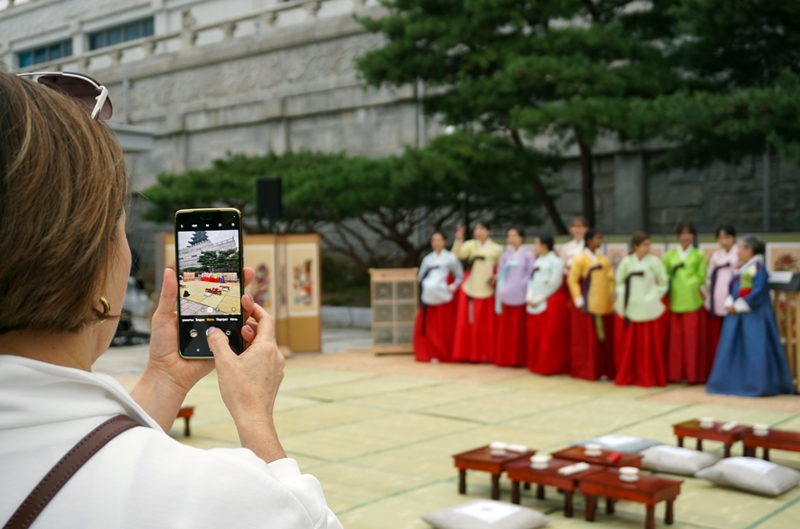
(193, 79)
(190, 256)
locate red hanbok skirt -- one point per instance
(436, 342)
(589, 357)
(713, 332)
(474, 339)
(686, 347)
(509, 337)
(548, 337)
(640, 350)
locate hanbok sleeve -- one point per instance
(463, 250)
(530, 297)
(698, 278)
(530, 260)
(423, 267)
(711, 264)
(660, 274)
(574, 279)
(622, 271)
(555, 279)
(457, 271)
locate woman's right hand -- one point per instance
(461, 232)
(249, 382)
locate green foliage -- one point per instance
(352, 201)
(217, 261)
(567, 70)
(742, 65)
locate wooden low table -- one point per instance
(777, 439)
(521, 472)
(185, 413)
(693, 429)
(577, 453)
(648, 490)
(480, 459)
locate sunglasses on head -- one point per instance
(86, 90)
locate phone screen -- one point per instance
(208, 247)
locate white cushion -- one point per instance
(486, 514)
(753, 475)
(676, 460)
(622, 443)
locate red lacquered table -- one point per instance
(480, 459)
(521, 472)
(777, 439)
(577, 453)
(648, 490)
(693, 429)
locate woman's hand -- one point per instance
(165, 358)
(461, 232)
(168, 377)
(249, 382)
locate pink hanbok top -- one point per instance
(720, 267)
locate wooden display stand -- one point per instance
(394, 293)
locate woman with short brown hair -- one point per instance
(63, 277)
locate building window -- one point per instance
(121, 33)
(47, 53)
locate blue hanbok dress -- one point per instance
(750, 360)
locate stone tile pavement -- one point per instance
(378, 432)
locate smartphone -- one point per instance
(208, 253)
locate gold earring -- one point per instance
(106, 309)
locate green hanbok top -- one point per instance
(646, 281)
(687, 273)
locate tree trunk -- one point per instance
(587, 183)
(547, 200)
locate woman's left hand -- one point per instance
(165, 359)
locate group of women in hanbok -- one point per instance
(683, 318)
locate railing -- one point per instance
(186, 39)
(787, 314)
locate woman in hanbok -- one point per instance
(440, 275)
(750, 359)
(686, 334)
(640, 324)
(475, 317)
(511, 282)
(548, 316)
(571, 249)
(591, 285)
(720, 270)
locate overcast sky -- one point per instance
(214, 236)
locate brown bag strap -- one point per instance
(58, 476)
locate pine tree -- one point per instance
(198, 237)
(566, 71)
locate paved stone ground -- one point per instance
(379, 432)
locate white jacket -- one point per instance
(143, 478)
(433, 273)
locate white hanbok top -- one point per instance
(143, 478)
(433, 274)
(569, 251)
(548, 276)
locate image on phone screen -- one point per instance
(209, 271)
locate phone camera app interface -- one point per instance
(209, 286)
